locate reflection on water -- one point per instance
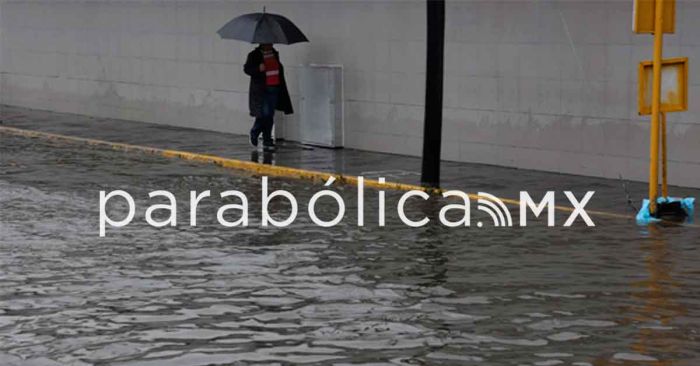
(267, 157)
(656, 309)
(209, 295)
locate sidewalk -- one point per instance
(503, 182)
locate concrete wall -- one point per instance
(547, 85)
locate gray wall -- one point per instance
(547, 85)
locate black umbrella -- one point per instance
(262, 28)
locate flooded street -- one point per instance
(208, 295)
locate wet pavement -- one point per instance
(612, 195)
(616, 294)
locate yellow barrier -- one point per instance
(266, 169)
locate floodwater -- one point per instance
(208, 295)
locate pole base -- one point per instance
(669, 209)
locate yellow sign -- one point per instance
(643, 19)
(674, 85)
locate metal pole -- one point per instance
(432, 127)
(664, 169)
(655, 107)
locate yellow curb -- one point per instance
(270, 170)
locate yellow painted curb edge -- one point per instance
(264, 169)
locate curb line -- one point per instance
(266, 169)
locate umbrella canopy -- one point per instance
(262, 28)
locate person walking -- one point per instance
(268, 92)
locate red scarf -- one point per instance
(272, 69)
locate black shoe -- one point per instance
(253, 140)
(269, 147)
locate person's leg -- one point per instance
(269, 115)
(261, 122)
(267, 131)
(256, 130)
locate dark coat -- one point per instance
(257, 85)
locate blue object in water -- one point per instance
(644, 218)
